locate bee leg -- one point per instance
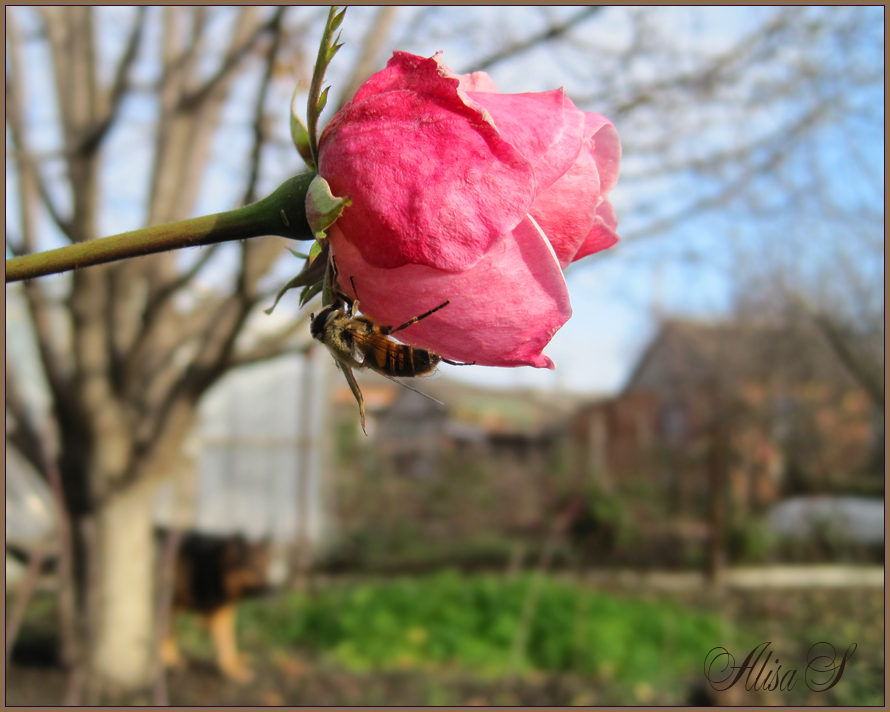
(356, 392)
(351, 304)
(390, 330)
(346, 300)
(457, 363)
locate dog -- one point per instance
(212, 575)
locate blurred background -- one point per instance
(704, 468)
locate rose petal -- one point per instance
(566, 210)
(602, 235)
(574, 211)
(606, 149)
(447, 177)
(432, 182)
(503, 311)
(408, 71)
(478, 81)
(545, 127)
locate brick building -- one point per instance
(771, 407)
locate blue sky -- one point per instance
(616, 296)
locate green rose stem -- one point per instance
(283, 213)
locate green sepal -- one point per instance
(309, 292)
(334, 48)
(323, 207)
(337, 20)
(322, 100)
(300, 134)
(313, 273)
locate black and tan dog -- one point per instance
(212, 574)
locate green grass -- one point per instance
(452, 622)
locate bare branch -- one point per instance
(374, 41)
(184, 145)
(92, 139)
(27, 166)
(182, 280)
(764, 166)
(71, 32)
(183, 148)
(36, 556)
(548, 35)
(25, 436)
(56, 367)
(212, 350)
(868, 373)
(198, 96)
(63, 223)
(55, 29)
(45, 334)
(177, 60)
(269, 353)
(121, 76)
(272, 346)
(15, 244)
(259, 133)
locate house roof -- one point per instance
(690, 352)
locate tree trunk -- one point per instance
(123, 646)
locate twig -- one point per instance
(259, 134)
(551, 33)
(36, 557)
(96, 133)
(193, 99)
(374, 42)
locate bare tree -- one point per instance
(131, 347)
(835, 288)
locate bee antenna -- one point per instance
(354, 290)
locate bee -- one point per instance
(356, 341)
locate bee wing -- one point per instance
(363, 343)
(405, 385)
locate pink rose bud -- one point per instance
(461, 193)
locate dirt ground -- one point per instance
(291, 682)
